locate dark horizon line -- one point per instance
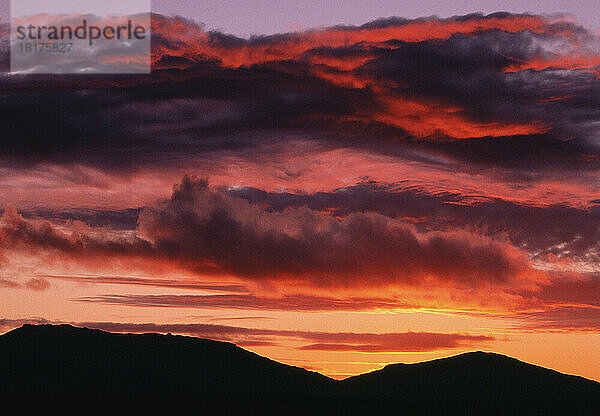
(450, 357)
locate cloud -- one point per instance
(9, 284)
(358, 342)
(18, 234)
(475, 139)
(125, 219)
(410, 342)
(35, 283)
(363, 237)
(166, 283)
(462, 87)
(212, 232)
(565, 305)
(184, 41)
(207, 232)
(560, 319)
(542, 230)
(308, 303)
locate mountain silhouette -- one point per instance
(61, 362)
(477, 383)
(64, 359)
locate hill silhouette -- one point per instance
(64, 362)
(477, 383)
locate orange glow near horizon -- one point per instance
(572, 353)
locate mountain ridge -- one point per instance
(65, 361)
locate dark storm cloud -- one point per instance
(562, 230)
(125, 219)
(215, 91)
(470, 69)
(163, 119)
(198, 223)
(206, 231)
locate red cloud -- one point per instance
(208, 232)
(181, 42)
(568, 303)
(252, 302)
(214, 233)
(35, 283)
(182, 38)
(166, 283)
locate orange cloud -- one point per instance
(165, 283)
(423, 119)
(207, 232)
(566, 62)
(184, 39)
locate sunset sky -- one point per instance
(389, 190)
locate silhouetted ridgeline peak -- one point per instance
(471, 375)
(64, 361)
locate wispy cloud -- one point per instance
(166, 283)
(328, 341)
(251, 302)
